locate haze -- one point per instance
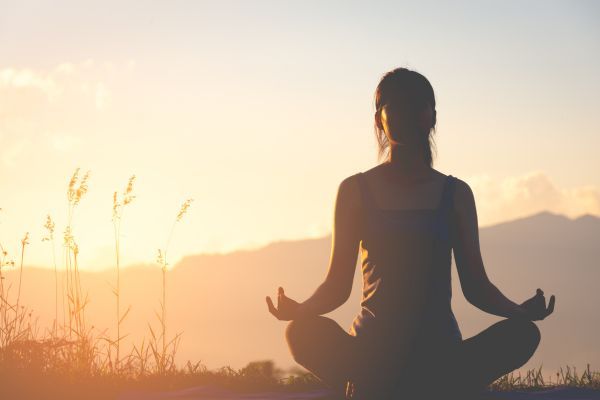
(258, 110)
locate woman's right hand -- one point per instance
(535, 308)
(287, 308)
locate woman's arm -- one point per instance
(337, 285)
(476, 286)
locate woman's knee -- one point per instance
(529, 332)
(308, 337)
(296, 330)
(534, 334)
(527, 336)
(299, 333)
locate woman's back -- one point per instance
(406, 259)
(406, 331)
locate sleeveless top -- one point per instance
(406, 260)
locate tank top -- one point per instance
(406, 263)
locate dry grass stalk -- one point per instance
(165, 355)
(117, 217)
(49, 226)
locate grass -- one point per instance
(533, 379)
(118, 208)
(73, 359)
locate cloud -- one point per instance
(42, 102)
(12, 152)
(15, 79)
(64, 80)
(508, 198)
(63, 143)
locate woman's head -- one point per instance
(405, 112)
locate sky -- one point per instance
(258, 110)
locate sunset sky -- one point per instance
(258, 110)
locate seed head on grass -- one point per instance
(68, 237)
(72, 182)
(25, 240)
(160, 259)
(128, 197)
(3, 261)
(184, 207)
(116, 206)
(49, 225)
(75, 193)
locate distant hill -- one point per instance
(218, 299)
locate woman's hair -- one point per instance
(414, 87)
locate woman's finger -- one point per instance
(551, 305)
(542, 301)
(272, 308)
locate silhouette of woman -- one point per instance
(407, 218)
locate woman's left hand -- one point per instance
(535, 307)
(287, 309)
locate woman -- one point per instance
(406, 218)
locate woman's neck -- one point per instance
(406, 162)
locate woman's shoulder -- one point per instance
(463, 199)
(371, 171)
(461, 188)
(349, 192)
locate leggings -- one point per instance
(355, 369)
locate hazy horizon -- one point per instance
(151, 264)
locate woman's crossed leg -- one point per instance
(324, 348)
(499, 349)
